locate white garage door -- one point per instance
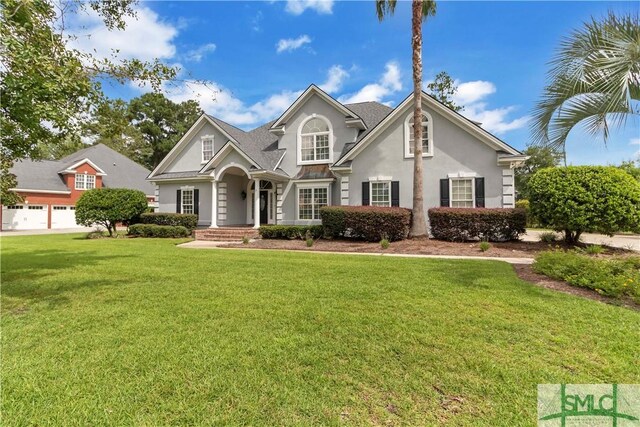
(24, 217)
(63, 217)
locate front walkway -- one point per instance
(622, 241)
(199, 244)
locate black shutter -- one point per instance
(365, 193)
(444, 193)
(479, 192)
(196, 201)
(178, 201)
(395, 193)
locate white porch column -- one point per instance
(256, 204)
(214, 204)
(279, 201)
(344, 190)
(508, 188)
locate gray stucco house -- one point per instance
(320, 152)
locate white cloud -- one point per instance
(297, 7)
(145, 36)
(472, 96)
(196, 55)
(335, 78)
(470, 92)
(389, 83)
(494, 120)
(284, 45)
(635, 141)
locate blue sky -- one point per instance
(258, 56)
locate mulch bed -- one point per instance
(515, 249)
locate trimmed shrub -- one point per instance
(384, 243)
(526, 205)
(613, 277)
(462, 224)
(370, 223)
(154, 230)
(109, 206)
(188, 221)
(485, 246)
(290, 232)
(579, 199)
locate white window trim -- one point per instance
(299, 142)
(193, 200)
(310, 185)
(84, 181)
(473, 189)
(378, 181)
(202, 140)
(407, 153)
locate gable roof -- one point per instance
(312, 90)
(121, 171)
(118, 171)
(470, 126)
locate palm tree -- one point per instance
(594, 80)
(421, 9)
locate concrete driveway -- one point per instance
(9, 233)
(624, 241)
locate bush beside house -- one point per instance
(368, 223)
(110, 206)
(290, 232)
(579, 199)
(153, 230)
(462, 224)
(189, 221)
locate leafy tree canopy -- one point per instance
(109, 206)
(45, 84)
(539, 158)
(443, 88)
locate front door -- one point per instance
(264, 207)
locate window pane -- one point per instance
(320, 200)
(187, 201)
(306, 150)
(380, 194)
(305, 203)
(425, 135)
(207, 149)
(315, 125)
(462, 193)
(90, 181)
(322, 147)
(80, 182)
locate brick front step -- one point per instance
(226, 234)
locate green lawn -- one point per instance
(139, 332)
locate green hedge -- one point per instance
(370, 223)
(154, 230)
(462, 224)
(189, 221)
(290, 232)
(614, 277)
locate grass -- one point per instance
(139, 332)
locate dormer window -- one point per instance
(207, 148)
(314, 141)
(85, 181)
(427, 136)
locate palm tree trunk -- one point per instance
(419, 224)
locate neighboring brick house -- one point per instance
(50, 188)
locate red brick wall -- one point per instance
(50, 200)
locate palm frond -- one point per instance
(594, 79)
(385, 7)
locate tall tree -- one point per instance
(443, 88)
(111, 125)
(45, 84)
(594, 80)
(420, 10)
(539, 158)
(161, 123)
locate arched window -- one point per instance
(314, 141)
(427, 135)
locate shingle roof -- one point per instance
(122, 172)
(262, 146)
(172, 175)
(39, 175)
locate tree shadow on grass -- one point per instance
(22, 275)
